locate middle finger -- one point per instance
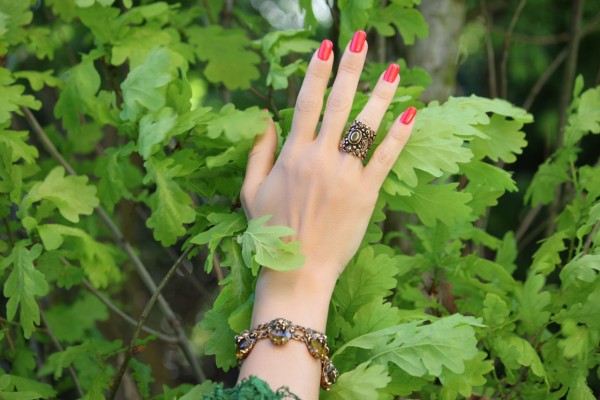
(340, 99)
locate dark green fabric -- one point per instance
(249, 389)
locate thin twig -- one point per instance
(506, 47)
(120, 313)
(141, 269)
(571, 69)
(142, 319)
(590, 237)
(11, 239)
(59, 347)
(490, 52)
(529, 218)
(543, 79)
(565, 98)
(11, 344)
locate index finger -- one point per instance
(310, 99)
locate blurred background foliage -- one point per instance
(526, 51)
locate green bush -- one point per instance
(119, 119)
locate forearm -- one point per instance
(302, 299)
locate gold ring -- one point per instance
(358, 140)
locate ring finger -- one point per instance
(373, 112)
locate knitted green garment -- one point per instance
(250, 389)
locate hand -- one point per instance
(324, 194)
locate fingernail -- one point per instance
(325, 50)
(391, 73)
(358, 41)
(408, 115)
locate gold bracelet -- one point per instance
(280, 331)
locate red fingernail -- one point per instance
(358, 41)
(391, 73)
(408, 115)
(325, 50)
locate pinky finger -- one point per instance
(389, 149)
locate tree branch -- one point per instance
(142, 319)
(490, 52)
(141, 269)
(527, 221)
(120, 313)
(570, 70)
(506, 47)
(11, 239)
(539, 84)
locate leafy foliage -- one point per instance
(145, 113)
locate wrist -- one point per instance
(300, 296)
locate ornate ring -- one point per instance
(358, 140)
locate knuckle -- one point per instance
(384, 157)
(308, 104)
(350, 67)
(336, 102)
(245, 195)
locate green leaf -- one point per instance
(23, 285)
(236, 125)
(532, 301)
(116, 175)
(225, 225)
(78, 95)
(12, 97)
(262, 245)
(408, 21)
(473, 376)
(432, 151)
(171, 205)
(70, 322)
(236, 67)
(354, 15)
(37, 80)
(361, 383)
(371, 317)
(139, 42)
(369, 277)
(154, 130)
(486, 184)
(433, 202)
(146, 85)
(551, 173)
(14, 18)
(16, 140)
(70, 194)
(547, 257)
(579, 389)
(585, 119)
(495, 311)
(516, 352)
(444, 344)
(21, 388)
(96, 258)
(503, 140)
(277, 44)
(142, 375)
(205, 388)
(584, 268)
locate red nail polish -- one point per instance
(358, 41)
(408, 115)
(325, 50)
(391, 73)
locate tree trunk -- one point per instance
(438, 53)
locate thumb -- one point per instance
(260, 163)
